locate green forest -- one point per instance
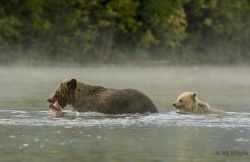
(85, 32)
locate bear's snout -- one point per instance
(174, 104)
(50, 100)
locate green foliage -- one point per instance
(164, 22)
(117, 31)
(218, 30)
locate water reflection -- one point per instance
(30, 132)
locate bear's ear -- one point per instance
(194, 95)
(72, 83)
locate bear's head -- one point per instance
(186, 101)
(64, 93)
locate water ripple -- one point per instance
(74, 119)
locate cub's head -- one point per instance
(186, 101)
(64, 93)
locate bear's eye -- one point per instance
(180, 100)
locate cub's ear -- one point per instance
(194, 95)
(72, 83)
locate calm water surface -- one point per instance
(30, 132)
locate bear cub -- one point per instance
(188, 102)
(89, 98)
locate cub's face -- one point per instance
(185, 101)
(63, 91)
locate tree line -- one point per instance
(123, 31)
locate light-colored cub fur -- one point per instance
(188, 102)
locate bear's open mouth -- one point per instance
(56, 106)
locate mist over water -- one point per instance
(30, 130)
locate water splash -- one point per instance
(89, 119)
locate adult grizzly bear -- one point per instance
(188, 102)
(84, 98)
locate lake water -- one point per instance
(30, 132)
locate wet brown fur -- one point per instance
(84, 97)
